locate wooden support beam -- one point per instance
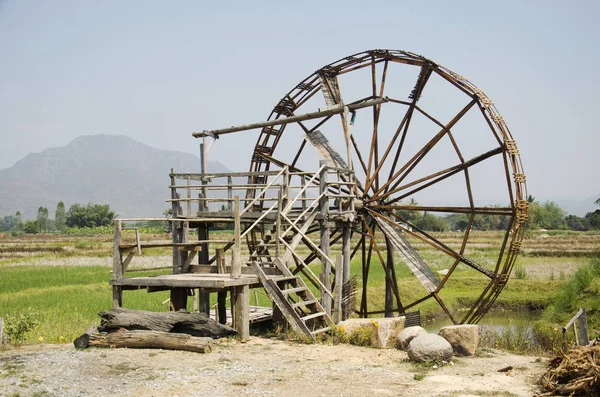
(337, 295)
(203, 258)
(325, 237)
(240, 302)
(389, 287)
(178, 299)
(236, 265)
(117, 300)
(286, 120)
(221, 295)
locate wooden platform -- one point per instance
(257, 314)
(188, 280)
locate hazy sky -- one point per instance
(157, 71)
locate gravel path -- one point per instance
(264, 367)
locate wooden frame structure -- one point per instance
(292, 201)
(285, 209)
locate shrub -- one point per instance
(18, 325)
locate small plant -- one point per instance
(520, 272)
(362, 336)
(419, 376)
(18, 325)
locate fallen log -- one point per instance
(182, 322)
(145, 339)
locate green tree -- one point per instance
(60, 217)
(42, 219)
(432, 222)
(7, 223)
(91, 215)
(18, 221)
(594, 219)
(31, 227)
(547, 216)
(575, 222)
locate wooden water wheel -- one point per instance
(434, 144)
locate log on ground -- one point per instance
(145, 339)
(195, 324)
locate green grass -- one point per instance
(68, 298)
(581, 290)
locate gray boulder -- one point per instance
(429, 347)
(464, 338)
(408, 334)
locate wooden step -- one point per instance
(304, 303)
(319, 331)
(278, 279)
(314, 315)
(293, 290)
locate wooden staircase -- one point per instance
(294, 299)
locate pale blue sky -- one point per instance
(158, 70)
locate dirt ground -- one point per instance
(264, 367)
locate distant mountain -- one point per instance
(130, 176)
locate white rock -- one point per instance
(429, 347)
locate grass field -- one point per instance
(64, 279)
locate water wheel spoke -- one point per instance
(506, 211)
(388, 275)
(411, 257)
(401, 174)
(434, 178)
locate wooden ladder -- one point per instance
(297, 303)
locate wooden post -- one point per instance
(189, 197)
(337, 293)
(345, 270)
(286, 186)
(178, 299)
(278, 221)
(117, 300)
(236, 265)
(584, 338)
(203, 258)
(303, 179)
(389, 289)
(204, 170)
(203, 231)
(325, 237)
(178, 295)
(221, 295)
(229, 193)
(240, 302)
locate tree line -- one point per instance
(547, 215)
(78, 216)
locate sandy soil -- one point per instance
(264, 367)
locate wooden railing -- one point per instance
(289, 206)
(581, 338)
(196, 193)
